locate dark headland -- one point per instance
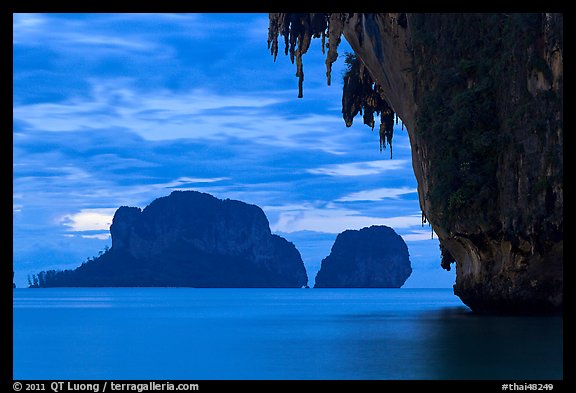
(189, 239)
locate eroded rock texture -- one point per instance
(481, 96)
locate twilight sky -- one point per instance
(119, 109)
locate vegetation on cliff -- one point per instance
(483, 95)
(469, 67)
(460, 62)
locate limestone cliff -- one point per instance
(190, 239)
(481, 96)
(373, 257)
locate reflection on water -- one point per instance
(469, 346)
(453, 343)
(178, 333)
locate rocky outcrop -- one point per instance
(190, 239)
(374, 257)
(481, 96)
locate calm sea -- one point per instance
(186, 333)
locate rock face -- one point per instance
(481, 96)
(190, 239)
(374, 257)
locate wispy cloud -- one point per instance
(418, 235)
(377, 194)
(135, 34)
(185, 180)
(66, 35)
(99, 236)
(335, 220)
(114, 103)
(359, 168)
(196, 114)
(25, 21)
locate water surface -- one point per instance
(187, 333)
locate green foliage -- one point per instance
(471, 92)
(461, 126)
(469, 63)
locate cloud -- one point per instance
(182, 180)
(89, 219)
(418, 235)
(335, 220)
(100, 236)
(69, 35)
(113, 103)
(201, 114)
(179, 87)
(377, 194)
(120, 109)
(24, 21)
(359, 168)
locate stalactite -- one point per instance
(300, 75)
(360, 93)
(335, 28)
(298, 29)
(386, 128)
(274, 21)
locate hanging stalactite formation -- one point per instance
(360, 93)
(482, 94)
(298, 30)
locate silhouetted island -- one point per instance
(374, 257)
(189, 239)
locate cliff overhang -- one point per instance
(481, 96)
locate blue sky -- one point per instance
(119, 109)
